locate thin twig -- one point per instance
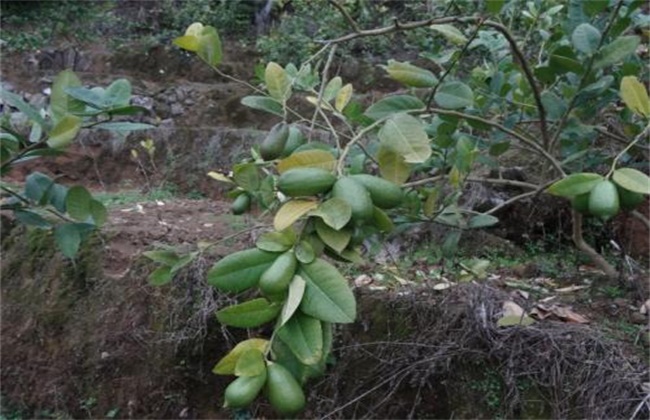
(583, 246)
(326, 69)
(346, 15)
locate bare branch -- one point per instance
(583, 246)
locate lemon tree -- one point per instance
(543, 75)
(69, 211)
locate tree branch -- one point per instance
(583, 246)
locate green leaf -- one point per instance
(393, 105)
(332, 89)
(575, 184)
(277, 82)
(451, 33)
(118, 93)
(308, 159)
(405, 135)
(58, 194)
(554, 105)
(632, 180)
(616, 51)
(335, 212)
(17, 102)
(126, 110)
(296, 292)
(30, 218)
(250, 363)
(481, 221)
(249, 314)
(37, 187)
(98, 212)
(586, 38)
(263, 103)
(338, 240)
(276, 241)
(382, 221)
(87, 96)
(227, 365)
(454, 95)
(241, 270)
(61, 103)
(410, 75)
(304, 336)
(512, 320)
(209, 46)
(68, 239)
(494, 6)
(593, 7)
(291, 211)
(500, 148)
(77, 202)
(183, 261)
(305, 252)
(327, 294)
(161, 276)
(123, 126)
(64, 131)
(635, 96)
(247, 176)
(392, 166)
(162, 256)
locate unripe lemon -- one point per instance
(241, 204)
(629, 199)
(603, 200)
(284, 392)
(242, 391)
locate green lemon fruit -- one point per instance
(603, 200)
(284, 392)
(242, 391)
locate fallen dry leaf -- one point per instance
(563, 313)
(362, 280)
(570, 289)
(645, 308)
(510, 308)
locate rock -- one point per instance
(177, 109)
(638, 318)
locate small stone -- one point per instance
(638, 318)
(177, 109)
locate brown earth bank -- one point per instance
(91, 337)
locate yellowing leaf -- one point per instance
(450, 32)
(219, 177)
(343, 97)
(512, 320)
(195, 29)
(308, 159)
(291, 211)
(405, 135)
(633, 180)
(64, 131)
(277, 82)
(410, 75)
(332, 88)
(392, 166)
(314, 101)
(635, 96)
(226, 365)
(187, 42)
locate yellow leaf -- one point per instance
(194, 29)
(64, 131)
(343, 97)
(635, 96)
(314, 101)
(187, 42)
(292, 211)
(220, 177)
(226, 365)
(277, 82)
(308, 159)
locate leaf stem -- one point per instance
(641, 135)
